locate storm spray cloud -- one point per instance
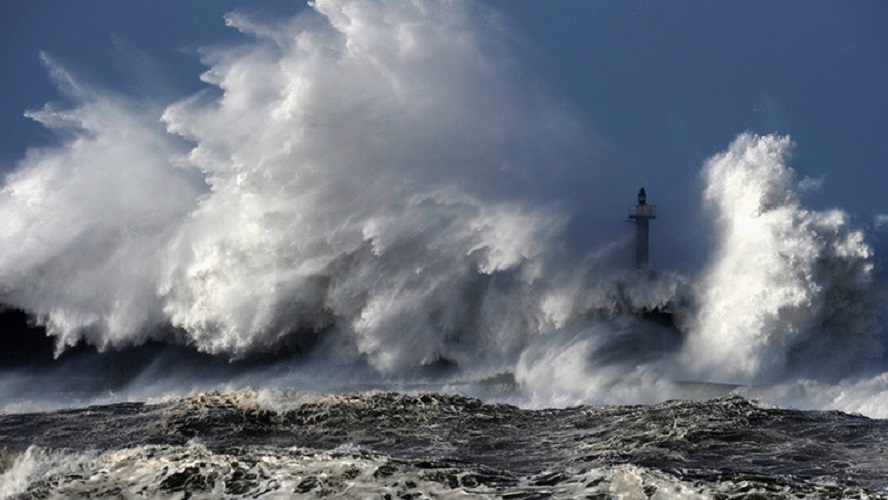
(788, 299)
(375, 184)
(365, 168)
(82, 223)
(788, 285)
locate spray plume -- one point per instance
(787, 285)
(359, 188)
(363, 182)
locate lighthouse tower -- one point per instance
(642, 214)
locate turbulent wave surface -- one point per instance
(432, 444)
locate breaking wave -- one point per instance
(789, 288)
(356, 191)
(378, 184)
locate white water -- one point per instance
(364, 183)
(787, 284)
(342, 473)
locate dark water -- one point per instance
(437, 445)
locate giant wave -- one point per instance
(370, 192)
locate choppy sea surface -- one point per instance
(434, 445)
(379, 196)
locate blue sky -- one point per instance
(658, 86)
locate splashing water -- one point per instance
(350, 192)
(372, 184)
(787, 285)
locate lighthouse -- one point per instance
(642, 214)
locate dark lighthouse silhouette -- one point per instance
(642, 214)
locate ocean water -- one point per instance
(391, 445)
(348, 268)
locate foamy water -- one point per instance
(434, 445)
